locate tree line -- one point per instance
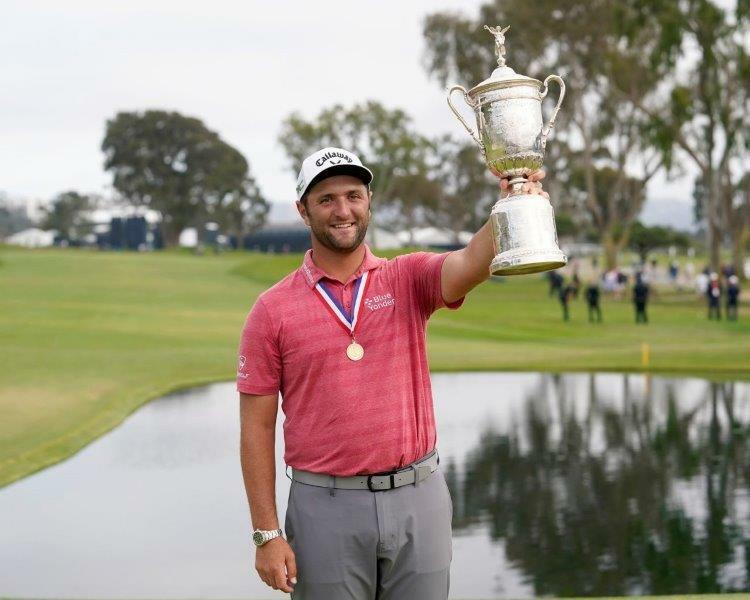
(653, 87)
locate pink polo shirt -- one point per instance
(344, 417)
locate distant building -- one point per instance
(279, 238)
(32, 238)
(434, 237)
(128, 233)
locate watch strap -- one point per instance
(265, 536)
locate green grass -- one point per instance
(87, 337)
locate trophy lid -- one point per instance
(503, 76)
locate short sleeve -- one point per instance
(425, 272)
(259, 361)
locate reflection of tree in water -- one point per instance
(596, 498)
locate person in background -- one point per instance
(622, 282)
(565, 293)
(575, 283)
(674, 273)
(713, 295)
(733, 297)
(592, 301)
(555, 281)
(640, 298)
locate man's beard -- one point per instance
(326, 239)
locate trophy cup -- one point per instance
(512, 137)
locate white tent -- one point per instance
(31, 238)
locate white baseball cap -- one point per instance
(328, 162)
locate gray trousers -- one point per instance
(363, 545)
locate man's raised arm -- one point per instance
(465, 269)
(274, 561)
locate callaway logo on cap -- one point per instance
(327, 163)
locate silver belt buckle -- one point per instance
(423, 472)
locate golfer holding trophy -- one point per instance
(512, 138)
(342, 340)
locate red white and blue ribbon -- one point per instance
(347, 320)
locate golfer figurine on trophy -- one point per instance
(512, 137)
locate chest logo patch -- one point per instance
(380, 301)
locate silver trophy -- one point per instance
(512, 138)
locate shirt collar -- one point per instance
(313, 274)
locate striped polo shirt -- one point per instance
(345, 417)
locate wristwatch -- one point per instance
(260, 536)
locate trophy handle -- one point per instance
(548, 127)
(473, 105)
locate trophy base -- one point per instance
(537, 262)
(524, 236)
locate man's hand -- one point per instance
(276, 565)
(532, 186)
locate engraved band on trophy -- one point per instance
(512, 137)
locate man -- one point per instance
(640, 298)
(555, 282)
(342, 339)
(567, 290)
(733, 296)
(592, 301)
(713, 295)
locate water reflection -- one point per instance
(561, 484)
(600, 493)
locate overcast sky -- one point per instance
(241, 67)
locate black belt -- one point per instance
(376, 482)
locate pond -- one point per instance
(562, 485)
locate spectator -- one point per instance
(564, 294)
(610, 281)
(592, 300)
(555, 282)
(701, 283)
(674, 272)
(640, 298)
(713, 294)
(576, 284)
(733, 297)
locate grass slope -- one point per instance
(87, 337)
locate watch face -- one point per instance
(258, 538)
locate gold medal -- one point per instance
(354, 351)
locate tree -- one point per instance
(613, 207)
(68, 215)
(243, 211)
(706, 119)
(174, 165)
(413, 197)
(597, 127)
(468, 189)
(736, 208)
(644, 239)
(13, 218)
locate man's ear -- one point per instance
(302, 210)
